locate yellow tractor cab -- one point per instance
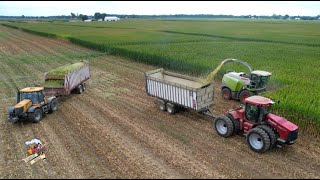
(32, 104)
(34, 94)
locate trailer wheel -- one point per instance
(171, 108)
(36, 116)
(80, 89)
(162, 105)
(271, 133)
(83, 87)
(53, 105)
(258, 140)
(224, 126)
(226, 93)
(244, 94)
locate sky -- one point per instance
(56, 8)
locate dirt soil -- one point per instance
(114, 130)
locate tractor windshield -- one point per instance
(260, 81)
(263, 81)
(264, 110)
(256, 113)
(33, 96)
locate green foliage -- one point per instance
(73, 15)
(66, 69)
(83, 17)
(54, 83)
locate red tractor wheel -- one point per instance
(236, 124)
(271, 133)
(244, 94)
(226, 93)
(258, 140)
(223, 126)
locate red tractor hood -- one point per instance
(282, 122)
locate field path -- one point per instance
(114, 130)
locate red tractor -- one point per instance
(262, 129)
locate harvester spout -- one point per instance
(238, 61)
(214, 72)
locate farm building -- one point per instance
(111, 18)
(88, 20)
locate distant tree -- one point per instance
(274, 16)
(103, 15)
(22, 16)
(286, 16)
(97, 15)
(73, 15)
(83, 17)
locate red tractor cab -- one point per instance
(263, 130)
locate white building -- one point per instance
(88, 20)
(111, 18)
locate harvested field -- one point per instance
(114, 130)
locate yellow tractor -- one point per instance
(32, 104)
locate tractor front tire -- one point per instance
(36, 116)
(53, 105)
(224, 126)
(258, 140)
(245, 94)
(271, 133)
(226, 93)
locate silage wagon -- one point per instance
(174, 91)
(66, 79)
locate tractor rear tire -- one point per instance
(171, 108)
(226, 93)
(236, 124)
(245, 94)
(162, 105)
(271, 133)
(36, 116)
(53, 105)
(224, 126)
(258, 140)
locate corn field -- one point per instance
(288, 49)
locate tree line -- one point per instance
(98, 16)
